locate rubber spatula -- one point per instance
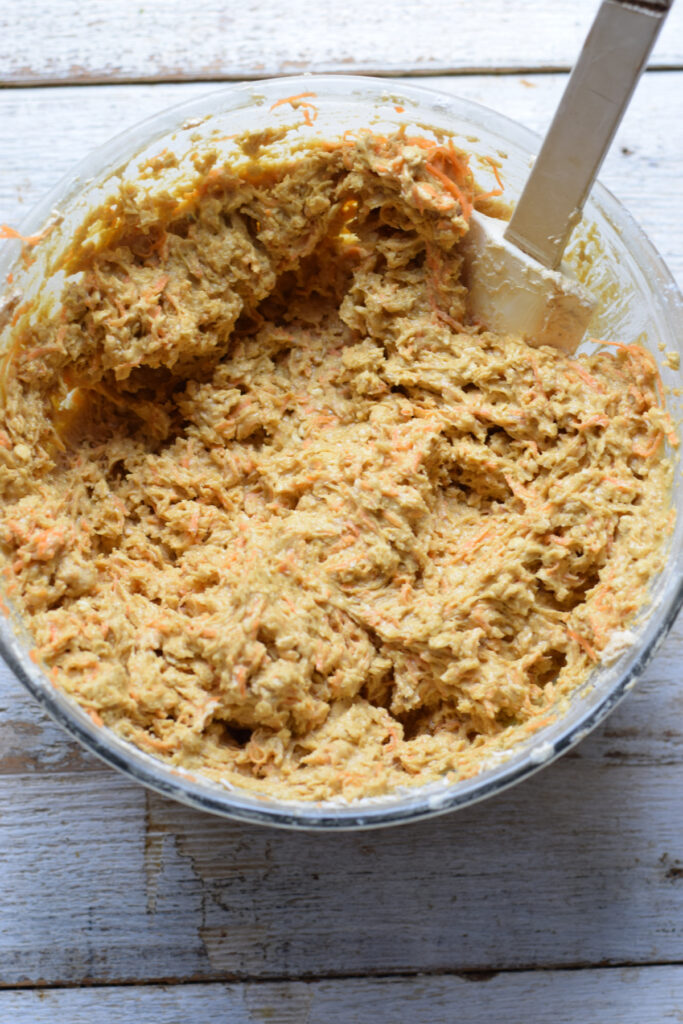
(513, 269)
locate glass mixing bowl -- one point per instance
(639, 302)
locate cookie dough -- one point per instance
(277, 512)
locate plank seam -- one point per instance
(506, 70)
(475, 975)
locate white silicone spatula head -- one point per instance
(514, 272)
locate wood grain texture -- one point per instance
(583, 864)
(43, 132)
(61, 41)
(629, 996)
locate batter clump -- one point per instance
(274, 510)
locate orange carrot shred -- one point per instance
(585, 376)
(7, 232)
(300, 101)
(645, 453)
(639, 352)
(494, 167)
(293, 99)
(583, 643)
(450, 185)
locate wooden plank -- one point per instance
(30, 742)
(75, 878)
(43, 132)
(627, 995)
(61, 41)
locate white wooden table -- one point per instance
(562, 900)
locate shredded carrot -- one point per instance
(493, 194)
(494, 167)
(393, 739)
(448, 319)
(7, 232)
(196, 193)
(539, 723)
(19, 312)
(472, 545)
(645, 453)
(583, 643)
(430, 145)
(585, 376)
(459, 161)
(615, 344)
(645, 357)
(240, 675)
(300, 102)
(593, 421)
(399, 110)
(293, 99)
(156, 288)
(621, 485)
(448, 183)
(156, 743)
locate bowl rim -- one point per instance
(408, 804)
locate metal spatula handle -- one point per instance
(597, 94)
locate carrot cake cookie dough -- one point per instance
(276, 511)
